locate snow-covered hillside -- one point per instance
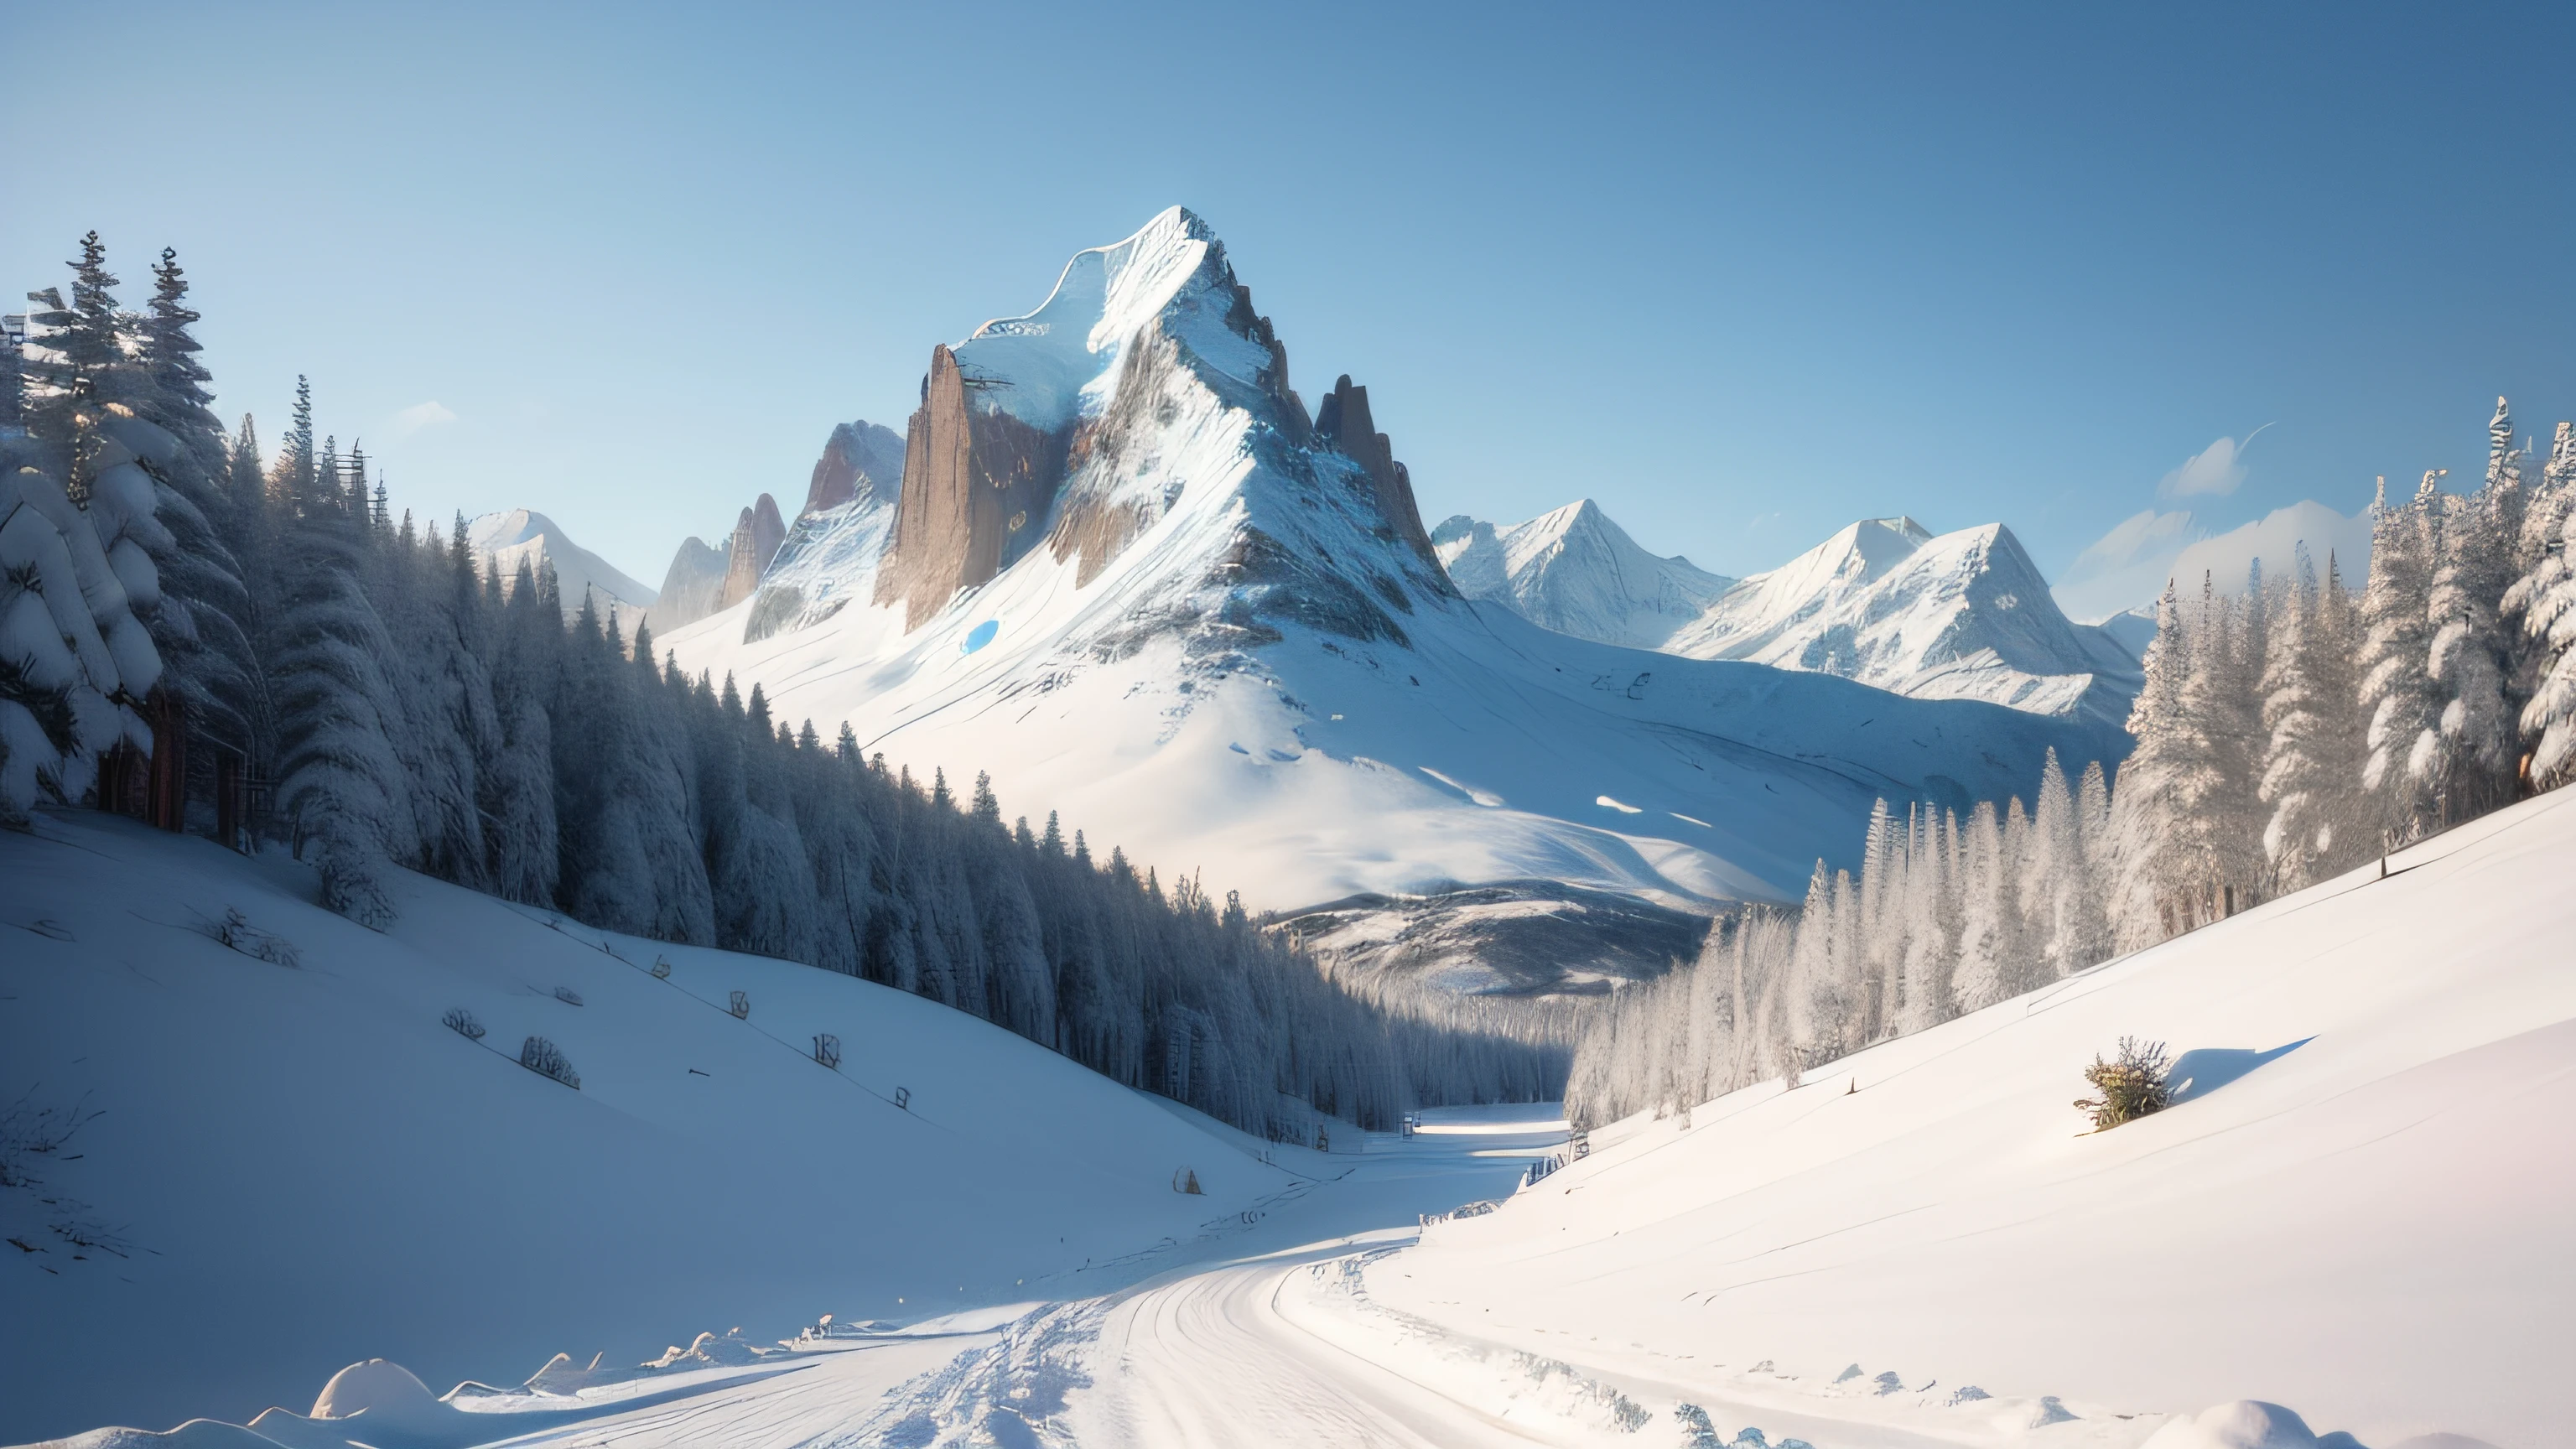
(2357, 1207)
(1134, 579)
(294, 1165)
(1575, 571)
(503, 541)
(1964, 615)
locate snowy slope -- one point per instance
(2358, 1208)
(1578, 573)
(505, 540)
(1965, 615)
(310, 1169)
(1222, 642)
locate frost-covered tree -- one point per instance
(200, 625)
(2313, 748)
(2469, 764)
(2542, 606)
(73, 365)
(2398, 693)
(342, 780)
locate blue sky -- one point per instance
(1742, 274)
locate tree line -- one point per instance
(277, 628)
(2282, 736)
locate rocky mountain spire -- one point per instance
(1344, 423)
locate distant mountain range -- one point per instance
(1962, 615)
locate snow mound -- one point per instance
(710, 1350)
(2245, 1424)
(194, 1434)
(374, 1386)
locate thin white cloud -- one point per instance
(2214, 471)
(421, 415)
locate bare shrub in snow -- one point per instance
(547, 1060)
(30, 1135)
(827, 1049)
(234, 929)
(2132, 1084)
(567, 996)
(740, 1004)
(462, 1022)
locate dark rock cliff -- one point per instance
(977, 487)
(756, 537)
(1343, 423)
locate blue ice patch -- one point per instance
(979, 636)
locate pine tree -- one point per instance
(2397, 691)
(2471, 660)
(70, 644)
(342, 781)
(201, 627)
(74, 372)
(2542, 605)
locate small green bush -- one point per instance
(2131, 1085)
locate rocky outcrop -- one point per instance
(1343, 422)
(756, 537)
(977, 487)
(859, 455)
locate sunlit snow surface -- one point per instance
(1918, 1247)
(1322, 764)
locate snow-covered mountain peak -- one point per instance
(504, 540)
(1575, 571)
(1054, 366)
(1959, 615)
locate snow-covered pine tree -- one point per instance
(71, 648)
(2054, 880)
(72, 364)
(2398, 695)
(2306, 783)
(341, 779)
(2220, 832)
(2161, 808)
(2091, 936)
(521, 839)
(200, 627)
(2469, 767)
(2543, 600)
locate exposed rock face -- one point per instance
(977, 487)
(859, 455)
(756, 537)
(1511, 938)
(1344, 423)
